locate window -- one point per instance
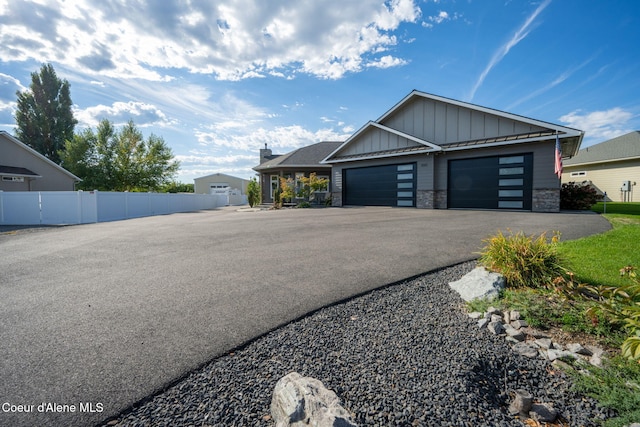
(13, 178)
(581, 173)
(275, 184)
(511, 160)
(510, 182)
(512, 171)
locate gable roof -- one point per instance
(309, 156)
(623, 147)
(33, 152)
(220, 175)
(531, 130)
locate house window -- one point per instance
(326, 186)
(13, 178)
(581, 173)
(275, 184)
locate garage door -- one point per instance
(389, 185)
(491, 182)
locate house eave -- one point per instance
(597, 162)
(383, 156)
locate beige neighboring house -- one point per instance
(24, 169)
(217, 182)
(611, 166)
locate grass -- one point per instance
(598, 259)
(595, 260)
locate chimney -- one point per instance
(265, 154)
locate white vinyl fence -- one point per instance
(81, 207)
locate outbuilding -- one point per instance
(433, 152)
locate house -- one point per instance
(430, 152)
(296, 164)
(217, 182)
(611, 166)
(24, 169)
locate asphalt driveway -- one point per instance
(96, 317)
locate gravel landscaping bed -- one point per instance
(404, 355)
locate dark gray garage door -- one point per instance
(389, 185)
(491, 182)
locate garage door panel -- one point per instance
(388, 185)
(491, 182)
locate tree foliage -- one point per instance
(119, 160)
(43, 116)
(254, 194)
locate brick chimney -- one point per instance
(265, 154)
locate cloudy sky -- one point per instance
(219, 79)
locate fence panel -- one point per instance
(60, 207)
(71, 207)
(19, 207)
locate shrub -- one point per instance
(303, 204)
(254, 196)
(622, 305)
(524, 261)
(575, 196)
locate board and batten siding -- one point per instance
(442, 123)
(374, 139)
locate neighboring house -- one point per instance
(24, 169)
(294, 165)
(433, 152)
(217, 182)
(612, 166)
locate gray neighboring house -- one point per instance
(24, 169)
(433, 152)
(611, 166)
(296, 164)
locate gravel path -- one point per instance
(403, 355)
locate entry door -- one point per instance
(502, 182)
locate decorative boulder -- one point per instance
(303, 401)
(479, 284)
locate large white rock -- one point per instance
(304, 401)
(479, 284)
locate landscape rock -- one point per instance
(304, 401)
(544, 343)
(514, 333)
(553, 354)
(514, 315)
(483, 322)
(519, 324)
(479, 284)
(579, 349)
(492, 310)
(521, 403)
(496, 327)
(496, 318)
(475, 315)
(525, 350)
(543, 413)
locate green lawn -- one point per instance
(598, 259)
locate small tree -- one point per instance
(312, 184)
(578, 196)
(286, 190)
(254, 193)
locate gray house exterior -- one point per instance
(295, 164)
(436, 153)
(612, 166)
(24, 169)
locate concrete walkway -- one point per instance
(96, 317)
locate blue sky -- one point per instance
(218, 80)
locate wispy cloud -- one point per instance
(519, 35)
(600, 125)
(558, 80)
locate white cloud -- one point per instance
(232, 40)
(119, 113)
(600, 125)
(503, 50)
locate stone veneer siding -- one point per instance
(431, 199)
(546, 200)
(336, 199)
